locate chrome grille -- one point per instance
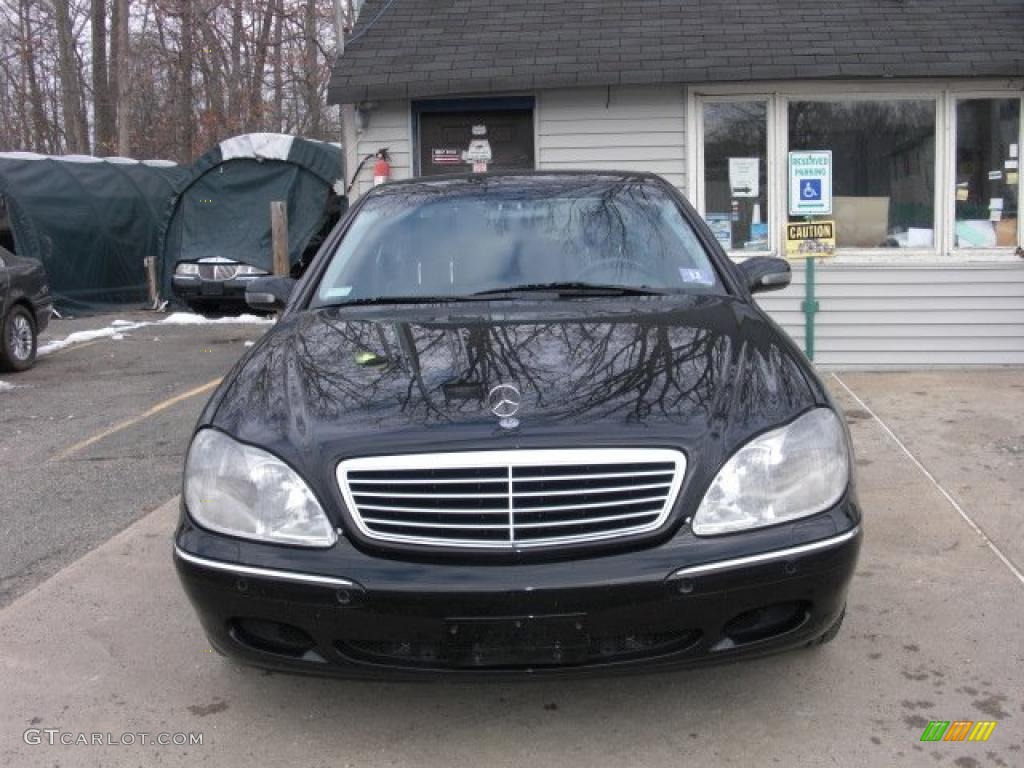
(218, 271)
(512, 499)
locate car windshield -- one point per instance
(459, 239)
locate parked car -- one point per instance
(213, 284)
(527, 423)
(25, 309)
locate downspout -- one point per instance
(346, 114)
(349, 135)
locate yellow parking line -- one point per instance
(135, 420)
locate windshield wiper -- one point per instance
(395, 300)
(573, 289)
(561, 289)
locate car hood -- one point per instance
(364, 380)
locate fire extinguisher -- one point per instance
(381, 168)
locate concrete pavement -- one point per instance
(967, 428)
(933, 632)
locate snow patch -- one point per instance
(79, 336)
(116, 330)
(4, 386)
(189, 318)
(264, 146)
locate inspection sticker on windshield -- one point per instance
(695, 276)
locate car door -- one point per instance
(5, 280)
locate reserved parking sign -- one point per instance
(810, 182)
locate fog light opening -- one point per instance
(765, 622)
(273, 637)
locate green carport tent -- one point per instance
(224, 211)
(90, 220)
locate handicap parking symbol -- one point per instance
(810, 189)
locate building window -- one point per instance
(735, 189)
(987, 173)
(883, 156)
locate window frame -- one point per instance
(698, 194)
(945, 94)
(937, 223)
(955, 96)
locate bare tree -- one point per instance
(162, 78)
(278, 65)
(120, 54)
(235, 72)
(40, 133)
(259, 64)
(76, 130)
(103, 108)
(310, 69)
(186, 55)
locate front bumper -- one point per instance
(657, 608)
(43, 312)
(196, 289)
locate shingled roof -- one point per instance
(416, 48)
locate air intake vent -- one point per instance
(512, 499)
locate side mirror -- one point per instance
(764, 273)
(269, 294)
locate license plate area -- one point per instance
(211, 288)
(517, 641)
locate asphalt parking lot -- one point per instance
(97, 637)
(74, 471)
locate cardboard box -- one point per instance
(861, 222)
(1006, 233)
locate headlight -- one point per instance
(247, 270)
(243, 491)
(785, 474)
(185, 268)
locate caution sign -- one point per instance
(811, 240)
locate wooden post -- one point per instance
(154, 293)
(279, 237)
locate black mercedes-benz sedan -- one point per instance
(519, 424)
(213, 283)
(25, 308)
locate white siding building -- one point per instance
(925, 131)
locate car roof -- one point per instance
(561, 179)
